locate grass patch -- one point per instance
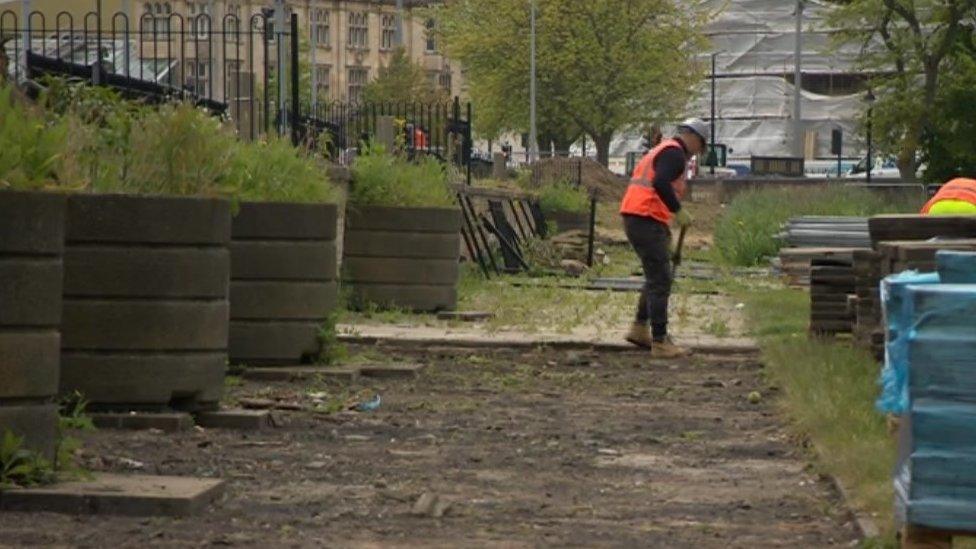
(828, 391)
(745, 233)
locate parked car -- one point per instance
(885, 166)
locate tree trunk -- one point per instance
(602, 142)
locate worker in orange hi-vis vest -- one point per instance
(957, 197)
(419, 138)
(651, 203)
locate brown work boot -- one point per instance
(667, 349)
(640, 335)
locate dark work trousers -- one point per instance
(651, 240)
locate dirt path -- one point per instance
(539, 449)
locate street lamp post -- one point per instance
(869, 99)
(712, 160)
(533, 135)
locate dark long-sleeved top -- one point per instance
(669, 165)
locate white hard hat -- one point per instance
(696, 126)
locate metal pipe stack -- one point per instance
(826, 232)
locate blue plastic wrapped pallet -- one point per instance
(956, 267)
(935, 479)
(894, 375)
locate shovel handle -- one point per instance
(676, 257)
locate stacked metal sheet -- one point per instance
(826, 232)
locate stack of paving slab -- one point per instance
(930, 379)
(831, 282)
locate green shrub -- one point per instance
(175, 150)
(564, 196)
(382, 179)
(745, 234)
(275, 171)
(32, 149)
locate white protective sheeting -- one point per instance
(755, 43)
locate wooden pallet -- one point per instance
(920, 537)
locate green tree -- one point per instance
(602, 66)
(909, 45)
(402, 81)
(948, 146)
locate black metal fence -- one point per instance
(231, 64)
(244, 67)
(439, 129)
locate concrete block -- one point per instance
(301, 373)
(391, 370)
(465, 316)
(111, 494)
(238, 420)
(168, 422)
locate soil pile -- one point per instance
(596, 177)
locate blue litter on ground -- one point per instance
(371, 405)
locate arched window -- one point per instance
(388, 37)
(320, 27)
(358, 30)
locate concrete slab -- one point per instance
(238, 420)
(465, 316)
(424, 336)
(168, 422)
(300, 373)
(391, 370)
(111, 494)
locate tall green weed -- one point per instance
(745, 234)
(32, 149)
(563, 196)
(383, 179)
(276, 171)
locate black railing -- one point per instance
(227, 64)
(439, 129)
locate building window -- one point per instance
(445, 81)
(431, 39)
(388, 38)
(197, 76)
(320, 27)
(199, 17)
(358, 30)
(234, 84)
(322, 73)
(357, 81)
(155, 20)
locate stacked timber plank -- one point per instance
(867, 299)
(920, 227)
(831, 282)
(794, 263)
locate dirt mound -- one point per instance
(595, 176)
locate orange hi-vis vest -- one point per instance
(957, 189)
(641, 199)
